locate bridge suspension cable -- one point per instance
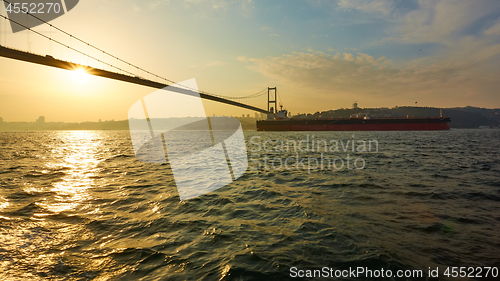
(260, 93)
(62, 44)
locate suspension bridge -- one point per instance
(116, 73)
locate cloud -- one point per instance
(211, 9)
(462, 26)
(348, 57)
(363, 75)
(457, 29)
(158, 3)
(441, 22)
(247, 8)
(368, 6)
(136, 8)
(463, 61)
(494, 30)
(269, 29)
(207, 5)
(214, 63)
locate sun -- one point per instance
(80, 75)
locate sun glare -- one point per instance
(79, 75)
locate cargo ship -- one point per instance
(356, 124)
(280, 121)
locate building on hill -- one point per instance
(41, 119)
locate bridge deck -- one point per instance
(52, 62)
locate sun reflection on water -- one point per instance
(32, 231)
(4, 203)
(77, 156)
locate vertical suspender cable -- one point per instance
(28, 31)
(50, 31)
(69, 50)
(3, 26)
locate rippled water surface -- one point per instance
(77, 205)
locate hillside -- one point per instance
(461, 117)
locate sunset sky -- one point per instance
(321, 54)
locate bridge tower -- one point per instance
(270, 101)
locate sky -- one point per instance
(320, 54)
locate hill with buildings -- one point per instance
(461, 117)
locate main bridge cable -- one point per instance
(62, 44)
(258, 94)
(117, 58)
(86, 43)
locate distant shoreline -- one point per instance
(246, 130)
(461, 118)
(248, 124)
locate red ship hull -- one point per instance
(356, 124)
